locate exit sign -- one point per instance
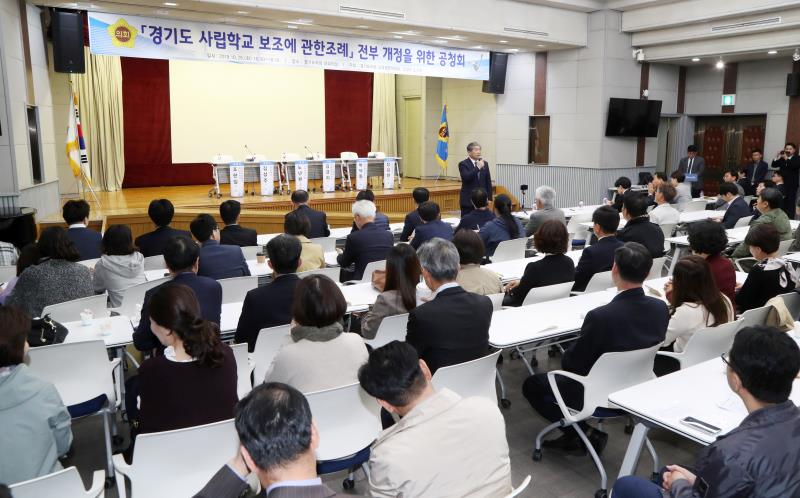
(729, 99)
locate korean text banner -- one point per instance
(154, 38)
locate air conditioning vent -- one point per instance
(359, 11)
(523, 31)
(746, 24)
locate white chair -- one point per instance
(7, 273)
(155, 263)
(371, 267)
(235, 289)
(268, 343)
(743, 222)
(519, 489)
(471, 378)
(332, 272)
(705, 344)
(251, 251)
(177, 463)
(792, 302)
(668, 229)
(508, 250)
(783, 249)
(328, 243)
(599, 282)
(576, 231)
(694, 205)
(64, 483)
(604, 378)
(83, 375)
(657, 266)
(392, 328)
(70, 311)
(244, 367)
(497, 300)
(755, 316)
(548, 293)
(133, 296)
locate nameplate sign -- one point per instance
(301, 175)
(237, 179)
(266, 174)
(361, 174)
(328, 176)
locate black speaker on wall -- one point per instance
(793, 84)
(67, 29)
(497, 73)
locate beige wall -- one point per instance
(471, 116)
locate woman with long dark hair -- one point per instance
(504, 227)
(399, 292)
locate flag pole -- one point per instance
(83, 180)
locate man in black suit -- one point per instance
(474, 171)
(420, 195)
(161, 212)
(381, 220)
(318, 219)
(639, 228)
(629, 322)
(86, 240)
(234, 234)
(182, 256)
(216, 261)
(480, 214)
(453, 327)
(733, 203)
(271, 304)
(788, 163)
(692, 167)
(367, 244)
(755, 172)
(432, 226)
(598, 257)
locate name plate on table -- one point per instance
(388, 173)
(691, 177)
(237, 179)
(328, 176)
(362, 166)
(301, 175)
(266, 174)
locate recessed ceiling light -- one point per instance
(439, 41)
(503, 41)
(514, 50)
(362, 26)
(772, 52)
(291, 26)
(170, 4)
(304, 21)
(477, 47)
(242, 12)
(720, 64)
(695, 59)
(540, 45)
(397, 37)
(406, 33)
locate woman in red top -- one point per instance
(707, 239)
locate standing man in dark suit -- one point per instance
(318, 219)
(271, 305)
(788, 163)
(474, 173)
(420, 195)
(367, 244)
(86, 240)
(234, 234)
(598, 257)
(182, 257)
(734, 205)
(152, 243)
(692, 167)
(216, 261)
(629, 322)
(453, 326)
(755, 172)
(432, 226)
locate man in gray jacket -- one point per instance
(545, 199)
(758, 458)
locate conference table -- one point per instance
(256, 269)
(684, 218)
(569, 212)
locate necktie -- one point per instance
(691, 160)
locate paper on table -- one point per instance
(733, 403)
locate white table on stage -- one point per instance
(115, 331)
(515, 268)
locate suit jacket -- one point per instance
(209, 295)
(430, 230)
(629, 322)
(227, 484)
(237, 235)
(551, 270)
(266, 306)
(452, 328)
(755, 173)
(411, 222)
(540, 216)
(648, 234)
(596, 258)
(369, 244)
(153, 243)
(381, 221)
(790, 170)
(475, 219)
(698, 166)
(472, 178)
(218, 261)
(388, 303)
(496, 231)
(479, 280)
(87, 241)
(737, 209)
(319, 222)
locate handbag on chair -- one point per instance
(46, 331)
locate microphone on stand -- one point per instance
(524, 189)
(310, 154)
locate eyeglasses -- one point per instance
(726, 359)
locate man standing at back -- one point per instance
(420, 195)
(216, 261)
(86, 240)
(318, 219)
(432, 226)
(234, 234)
(474, 173)
(755, 171)
(152, 243)
(367, 244)
(692, 167)
(788, 164)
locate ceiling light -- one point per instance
(514, 50)
(162, 12)
(242, 12)
(291, 26)
(170, 4)
(720, 64)
(772, 52)
(304, 21)
(439, 41)
(362, 26)
(397, 37)
(540, 45)
(503, 41)
(695, 59)
(477, 47)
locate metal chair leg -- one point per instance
(595, 456)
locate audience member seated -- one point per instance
(757, 458)
(443, 444)
(708, 239)
(453, 326)
(420, 195)
(639, 228)
(312, 257)
(777, 177)
(771, 275)
(153, 243)
(121, 266)
(545, 199)
(56, 278)
(664, 213)
(659, 179)
(86, 240)
(556, 267)
(321, 356)
(271, 305)
(769, 205)
(733, 204)
(381, 220)
(36, 426)
(278, 441)
(629, 322)
(399, 294)
(623, 186)
(795, 247)
(28, 256)
(318, 219)
(598, 257)
(234, 234)
(472, 277)
(194, 381)
(8, 254)
(479, 216)
(367, 244)
(684, 190)
(216, 261)
(732, 176)
(503, 227)
(182, 257)
(432, 225)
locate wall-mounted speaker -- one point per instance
(793, 84)
(497, 73)
(67, 29)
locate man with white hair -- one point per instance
(545, 198)
(367, 244)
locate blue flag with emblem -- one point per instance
(444, 139)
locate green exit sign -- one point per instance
(729, 99)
